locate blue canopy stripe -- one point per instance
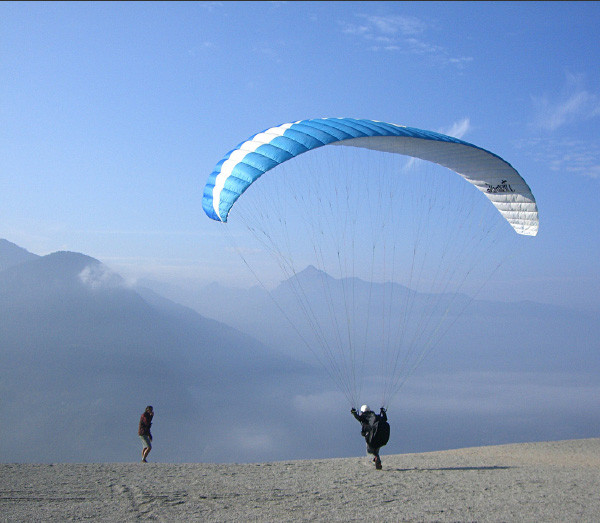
(492, 175)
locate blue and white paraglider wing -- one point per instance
(492, 175)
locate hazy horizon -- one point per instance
(459, 396)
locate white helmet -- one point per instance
(364, 409)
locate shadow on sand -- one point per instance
(417, 469)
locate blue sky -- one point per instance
(114, 114)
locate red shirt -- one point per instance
(145, 423)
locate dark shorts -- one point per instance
(373, 450)
(146, 443)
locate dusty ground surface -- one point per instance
(553, 481)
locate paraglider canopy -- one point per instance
(492, 175)
(394, 223)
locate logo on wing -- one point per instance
(503, 186)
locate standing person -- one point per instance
(375, 429)
(144, 431)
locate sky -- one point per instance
(114, 114)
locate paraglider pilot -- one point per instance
(375, 429)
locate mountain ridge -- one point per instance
(75, 338)
(11, 254)
(83, 352)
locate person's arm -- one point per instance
(355, 414)
(382, 413)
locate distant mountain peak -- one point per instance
(11, 255)
(311, 271)
(311, 275)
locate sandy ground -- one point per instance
(537, 482)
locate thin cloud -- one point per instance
(458, 129)
(404, 34)
(576, 104)
(562, 152)
(210, 6)
(406, 25)
(417, 46)
(566, 155)
(100, 277)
